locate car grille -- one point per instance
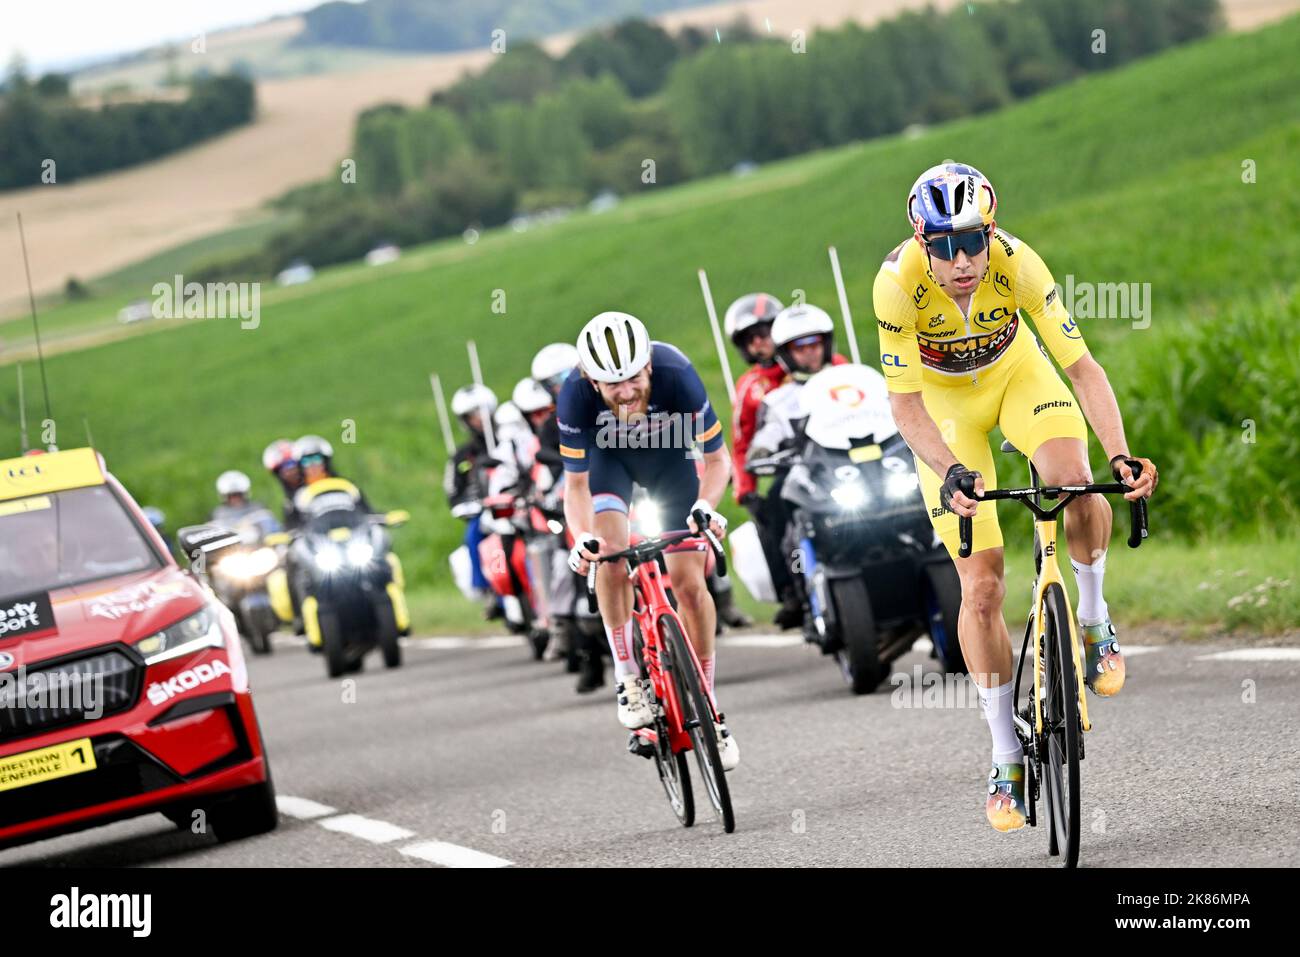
(56, 694)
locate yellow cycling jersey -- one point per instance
(925, 337)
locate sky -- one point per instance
(56, 33)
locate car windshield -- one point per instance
(67, 538)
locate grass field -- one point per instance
(1117, 178)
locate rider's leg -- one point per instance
(614, 592)
(694, 605)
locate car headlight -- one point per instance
(243, 566)
(329, 560)
(360, 553)
(200, 630)
(849, 495)
(901, 484)
(648, 519)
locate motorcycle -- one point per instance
(348, 579)
(507, 555)
(239, 578)
(870, 570)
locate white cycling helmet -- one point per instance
(552, 365)
(312, 445)
(233, 482)
(797, 323)
(530, 397)
(613, 347)
(949, 198)
(472, 398)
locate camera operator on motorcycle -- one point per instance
(803, 341)
(465, 481)
(612, 420)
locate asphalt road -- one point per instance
(476, 755)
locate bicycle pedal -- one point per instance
(640, 746)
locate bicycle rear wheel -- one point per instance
(697, 718)
(1060, 729)
(674, 771)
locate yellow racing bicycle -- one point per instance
(1051, 723)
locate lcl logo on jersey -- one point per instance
(921, 297)
(1001, 283)
(994, 316)
(1071, 329)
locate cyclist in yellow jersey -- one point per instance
(959, 360)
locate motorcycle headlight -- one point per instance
(329, 560)
(246, 565)
(200, 630)
(901, 484)
(849, 495)
(360, 553)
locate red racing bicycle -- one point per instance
(684, 715)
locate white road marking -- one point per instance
(452, 855)
(1252, 654)
(761, 641)
(443, 643)
(366, 828)
(302, 808)
(1129, 650)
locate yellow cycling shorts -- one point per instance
(1024, 395)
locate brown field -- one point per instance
(91, 227)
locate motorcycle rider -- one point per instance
(465, 480)
(803, 341)
(277, 458)
(552, 365)
(236, 508)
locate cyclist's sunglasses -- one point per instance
(971, 243)
(762, 330)
(307, 460)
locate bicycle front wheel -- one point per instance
(674, 772)
(1061, 728)
(697, 719)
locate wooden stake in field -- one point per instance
(717, 336)
(844, 307)
(443, 419)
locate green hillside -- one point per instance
(1130, 176)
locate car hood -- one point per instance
(123, 608)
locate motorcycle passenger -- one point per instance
(803, 340)
(277, 458)
(465, 481)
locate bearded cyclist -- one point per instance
(613, 417)
(958, 363)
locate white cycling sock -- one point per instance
(1092, 606)
(620, 644)
(997, 706)
(706, 666)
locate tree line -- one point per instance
(631, 107)
(40, 122)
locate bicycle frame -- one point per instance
(1049, 573)
(650, 607)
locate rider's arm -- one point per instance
(717, 472)
(1097, 399)
(920, 432)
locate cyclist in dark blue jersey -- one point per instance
(638, 414)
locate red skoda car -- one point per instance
(123, 687)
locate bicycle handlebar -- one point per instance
(652, 547)
(1137, 508)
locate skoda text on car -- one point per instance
(123, 687)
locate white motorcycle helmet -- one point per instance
(747, 312)
(472, 398)
(233, 482)
(552, 365)
(529, 396)
(796, 323)
(613, 347)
